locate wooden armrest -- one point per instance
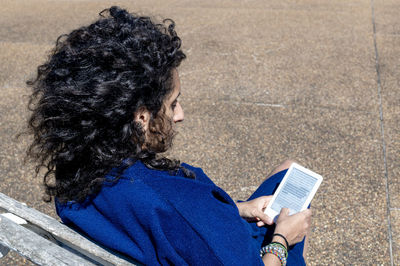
(49, 234)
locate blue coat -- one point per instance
(159, 218)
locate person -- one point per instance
(104, 108)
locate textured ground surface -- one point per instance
(317, 81)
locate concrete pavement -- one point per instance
(315, 81)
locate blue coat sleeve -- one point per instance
(207, 215)
(160, 233)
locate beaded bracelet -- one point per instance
(276, 249)
(275, 244)
(280, 245)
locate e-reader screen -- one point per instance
(294, 192)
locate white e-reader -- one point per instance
(295, 192)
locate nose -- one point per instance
(178, 113)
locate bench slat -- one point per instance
(35, 248)
(61, 232)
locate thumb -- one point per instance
(264, 218)
(284, 212)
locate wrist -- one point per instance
(274, 249)
(271, 259)
(240, 205)
(280, 238)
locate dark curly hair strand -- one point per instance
(85, 97)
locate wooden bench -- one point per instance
(45, 241)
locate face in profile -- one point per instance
(160, 130)
(173, 109)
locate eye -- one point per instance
(173, 105)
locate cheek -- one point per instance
(169, 113)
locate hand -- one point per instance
(293, 227)
(253, 210)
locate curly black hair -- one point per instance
(85, 97)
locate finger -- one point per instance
(260, 223)
(266, 198)
(284, 212)
(307, 213)
(264, 218)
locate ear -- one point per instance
(142, 116)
